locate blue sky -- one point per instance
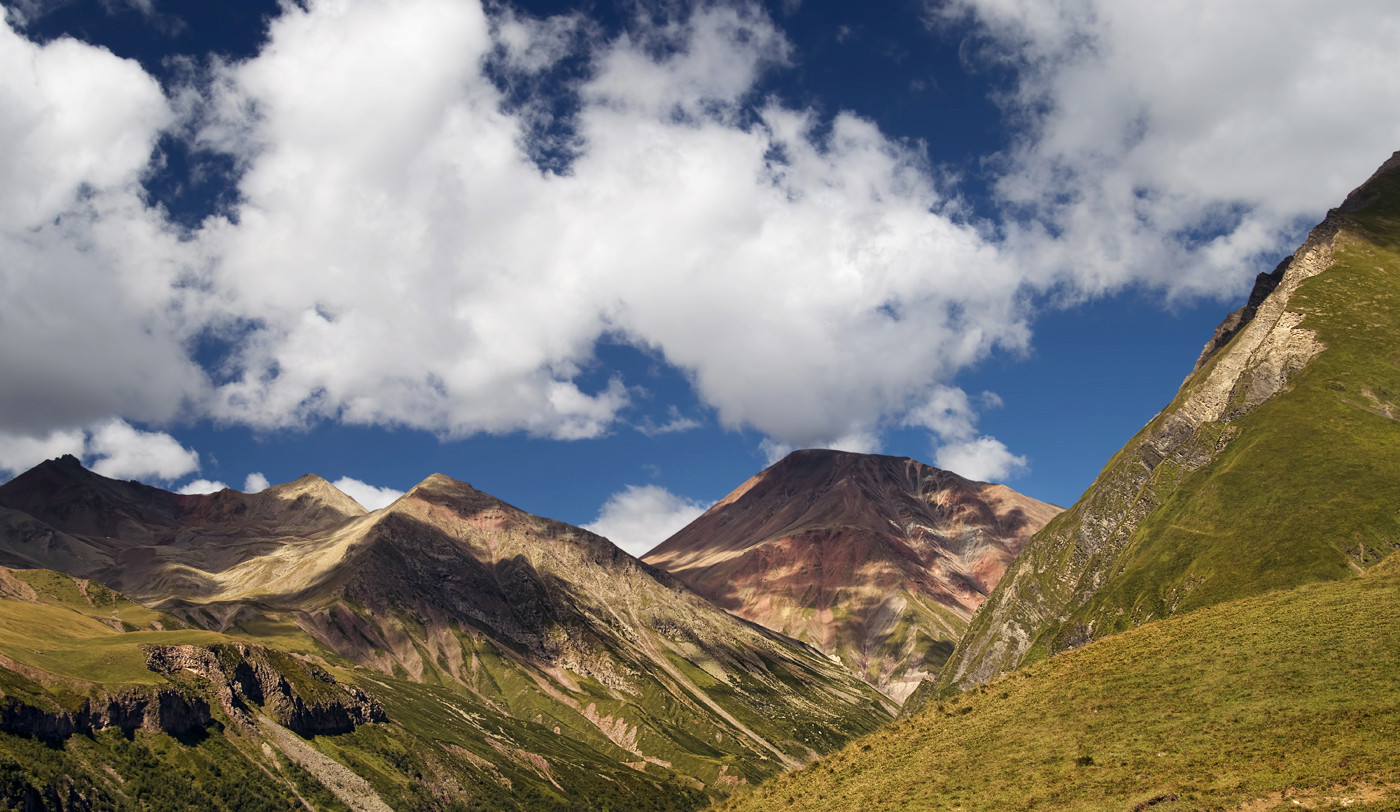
(608, 260)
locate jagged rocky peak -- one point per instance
(1374, 188)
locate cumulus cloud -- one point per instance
(19, 453)
(951, 418)
(414, 246)
(401, 253)
(1183, 145)
(199, 486)
(113, 448)
(122, 451)
(92, 324)
(255, 483)
(639, 517)
(369, 496)
(985, 459)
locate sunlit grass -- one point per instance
(1296, 689)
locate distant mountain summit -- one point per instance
(1274, 466)
(585, 658)
(877, 560)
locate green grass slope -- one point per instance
(1285, 700)
(1295, 488)
(67, 644)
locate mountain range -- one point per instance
(555, 631)
(1211, 626)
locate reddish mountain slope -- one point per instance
(878, 560)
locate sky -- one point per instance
(607, 260)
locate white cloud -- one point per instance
(676, 423)
(201, 486)
(413, 246)
(985, 459)
(112, 448)
(397, 257)
(92, 320)
(639, 517)
(122, 451)
(255, 483)
(950, 417)
(369, 496)
(1173, 144)
(947, 413)
(19, 453)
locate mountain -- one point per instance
(1274, 466)
(1285, 700)
(1222, 604)
(879, 561)
(506, 650)
(149, 543)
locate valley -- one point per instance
(1213, 625)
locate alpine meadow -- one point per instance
(681, 405)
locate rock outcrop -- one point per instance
(298, 695)
(158, 710)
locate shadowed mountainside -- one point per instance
(580, 647)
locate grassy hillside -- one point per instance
(67, 644)
(1252, 704)
(1276, 487)
(1300, 493)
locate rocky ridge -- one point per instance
(1253, 357)
(247, 679)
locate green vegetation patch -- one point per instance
(1290, 691)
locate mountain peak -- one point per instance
(1375, 186)
(878, 560)
(314, 489)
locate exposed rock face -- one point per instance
(877, 560)
(1253, 357)
(243, 675)
(158, 710)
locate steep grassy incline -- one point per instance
(1274, 466)
(1248, 705)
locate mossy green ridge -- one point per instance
(1273, 467)
(1253, 704)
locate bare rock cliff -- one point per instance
(298, 695)
(157, 710)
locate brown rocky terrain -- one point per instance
(448, 586)
(149, 543)
(877, 560)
